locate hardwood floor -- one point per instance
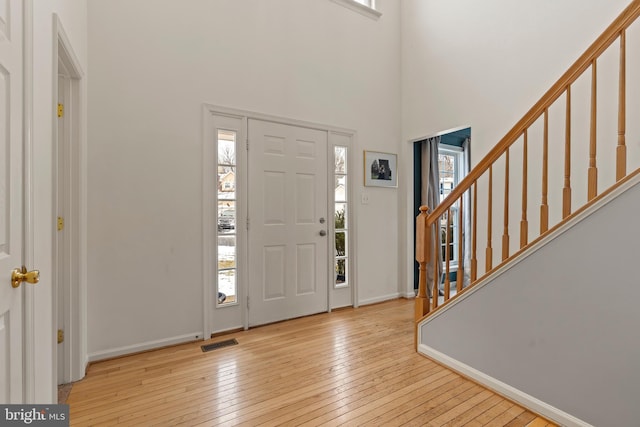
(351, 367)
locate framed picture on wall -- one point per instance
(380, 169)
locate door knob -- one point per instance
(323, 233)
(20, 275)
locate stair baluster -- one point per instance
(428, 226)
(524, 224)
(621, 149)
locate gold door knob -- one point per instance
(20, 275)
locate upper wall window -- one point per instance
(364, 7)
(369, 3)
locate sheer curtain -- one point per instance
(431, 197)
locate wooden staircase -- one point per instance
(479, 187)
(575, 146)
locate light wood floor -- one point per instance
(352, 367)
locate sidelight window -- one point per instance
(341, 225)
(227, 288)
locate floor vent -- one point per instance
(217, 345)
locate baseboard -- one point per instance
(530, 402)
(381, 298)
(149, 345)
(341, 307)
(408, 295)
(231, 330)
(85, 366)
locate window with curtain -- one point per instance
(450, 167)
(444, 160)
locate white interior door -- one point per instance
(288, 227)
(11, 211)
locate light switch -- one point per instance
(365, 199)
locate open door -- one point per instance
(11, 204)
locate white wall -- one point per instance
(560, 326)
(153, 63)
(72, 14)
(483, 65)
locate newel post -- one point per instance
(423, 240)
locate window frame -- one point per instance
(218, 319)
(362, 8)
(458, 164)
(234, 234)
(346, 230)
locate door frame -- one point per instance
(335, 135)
(25, 392)
(66, 62)
(414, 200)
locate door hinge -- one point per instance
(247, 223)
(60, 110)
(60, 336)
(247, 144)
(247, 302)
(60, 223)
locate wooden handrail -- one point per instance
(428, 244)
(559, 87)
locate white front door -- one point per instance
(288, 227)
(11, 200)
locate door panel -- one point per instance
(11, 366)
(305, 266)
(288, 261)
(274, 272)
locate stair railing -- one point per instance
(428, 223)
